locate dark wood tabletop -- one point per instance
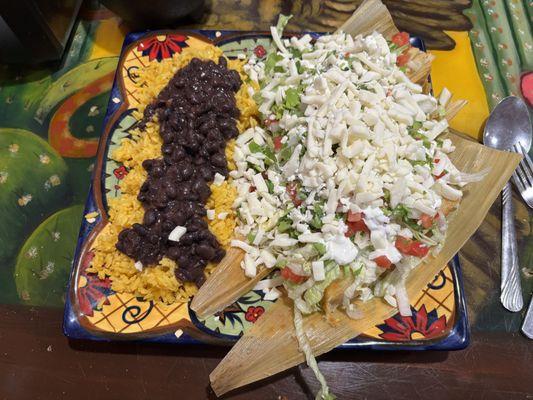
(38, 362)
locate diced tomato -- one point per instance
(252, 188)
(355, 223)
(292, 191)
(289, 275)
(426, 221)
(347, 54)
(383, 262)
(403, 244)
(277, 143)
(436, 160)
(440, 175)
(354, 216)
(400, 39)
(402, 59)
(411, 247)
(419, 249)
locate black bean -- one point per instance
(220, 253)
(196, 113)
(205, 251)
(150, 217)
(218, 160)
(172, 191)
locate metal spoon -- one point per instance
(509, 124)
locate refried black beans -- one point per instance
(196, 113)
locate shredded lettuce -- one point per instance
(283, 20)
(320, 248)
(314, 294)
(277, 32)
(305, 347)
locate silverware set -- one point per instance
(509, 128)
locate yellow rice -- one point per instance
(158, 282)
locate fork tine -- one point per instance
(519, 184)
(520, 170)
(527, 158)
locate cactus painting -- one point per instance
(44, 261)
(503, 44)
(33, 184)
(45, 165)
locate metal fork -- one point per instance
(523, 175)
(523, 179)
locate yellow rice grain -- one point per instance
(158, 282)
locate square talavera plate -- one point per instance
(94, 311)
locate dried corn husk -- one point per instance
(225, 285)
(270, 346)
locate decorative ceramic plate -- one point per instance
(94, 311)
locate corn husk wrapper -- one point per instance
(226, 284)
(270, 346)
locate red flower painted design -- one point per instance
(400, 329)
(260, 51)
(253, 313)
(162, 46)
(92, 291)
(120, 172)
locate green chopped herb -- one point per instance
(416, 125)
(386, 195)
(284, 225)
(285, 153)
(401, 213)
(301, 195)
(296, 53)
(292, 98)
(255, 148)
(271, 62)
(299, 67)
(318, 213)
(293, 234)
(266, 150)
(255, 167)
(250, 237)
(270, 186)
(269, 153)
(278, 111)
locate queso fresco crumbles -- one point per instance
(347, 174)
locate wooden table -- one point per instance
(38, 362)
